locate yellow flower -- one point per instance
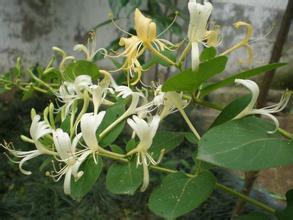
(146, 38)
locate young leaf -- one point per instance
(167, 140)
(245, 144)
(208, 53)
(232, 110)
(112, 113)
(179, 194)
(242, 75)
(91, 172)
(189, 80)
(124, 178)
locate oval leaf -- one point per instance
(124, 178)
(245, 144)
(179, 194)
(189, 80)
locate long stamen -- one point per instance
(169, 26)
(117, 26)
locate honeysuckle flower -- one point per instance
(67, 154)
(89, 123)
(266, 111)
(244, 42)
(38, 129)
(145, 132)
(69, 92)
(197, 29)
(146, 38)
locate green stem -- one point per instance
(41, 81)
(246, 198)
(194, 131)
(285, 133)
(207, 104)
(184, 54)
(83, 110)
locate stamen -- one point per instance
(170, 25)
(117, 26)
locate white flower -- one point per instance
(145, 132)
(197, 29)
(266, 111)
(69, 92)
(89, 124)
(38, 130)
(67, 153)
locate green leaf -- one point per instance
(116, 149)
(167, 140)
(124, 178)
(245, 144)
(112, 113)
(91, 173)
(287, 213)
(179, 194)
(242, 75)
(208, 53)
(254, 216)
(232, 110)
(65, 124)
(189, 80)
(131, 144)
(81, 67)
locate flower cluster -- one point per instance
(73, 132)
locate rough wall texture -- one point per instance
(29, 28)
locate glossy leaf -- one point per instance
(179, 194)
(189, 80)
(112, 113)
(124, 178)
(242, 75)
(245, 144)
(232, 110)
(91, 173)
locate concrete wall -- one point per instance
(29, 28)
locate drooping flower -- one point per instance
(68, 155)
(38, 130)
(145, 132)
(69, 92)
(197, 29)
(266, 111)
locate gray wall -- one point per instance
(29, 28)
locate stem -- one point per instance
(218, 185)
(194, 131)
(285, 133)
(184, 54)
(41, 82)
(245, 198)
(208, 104)
(83, 110)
